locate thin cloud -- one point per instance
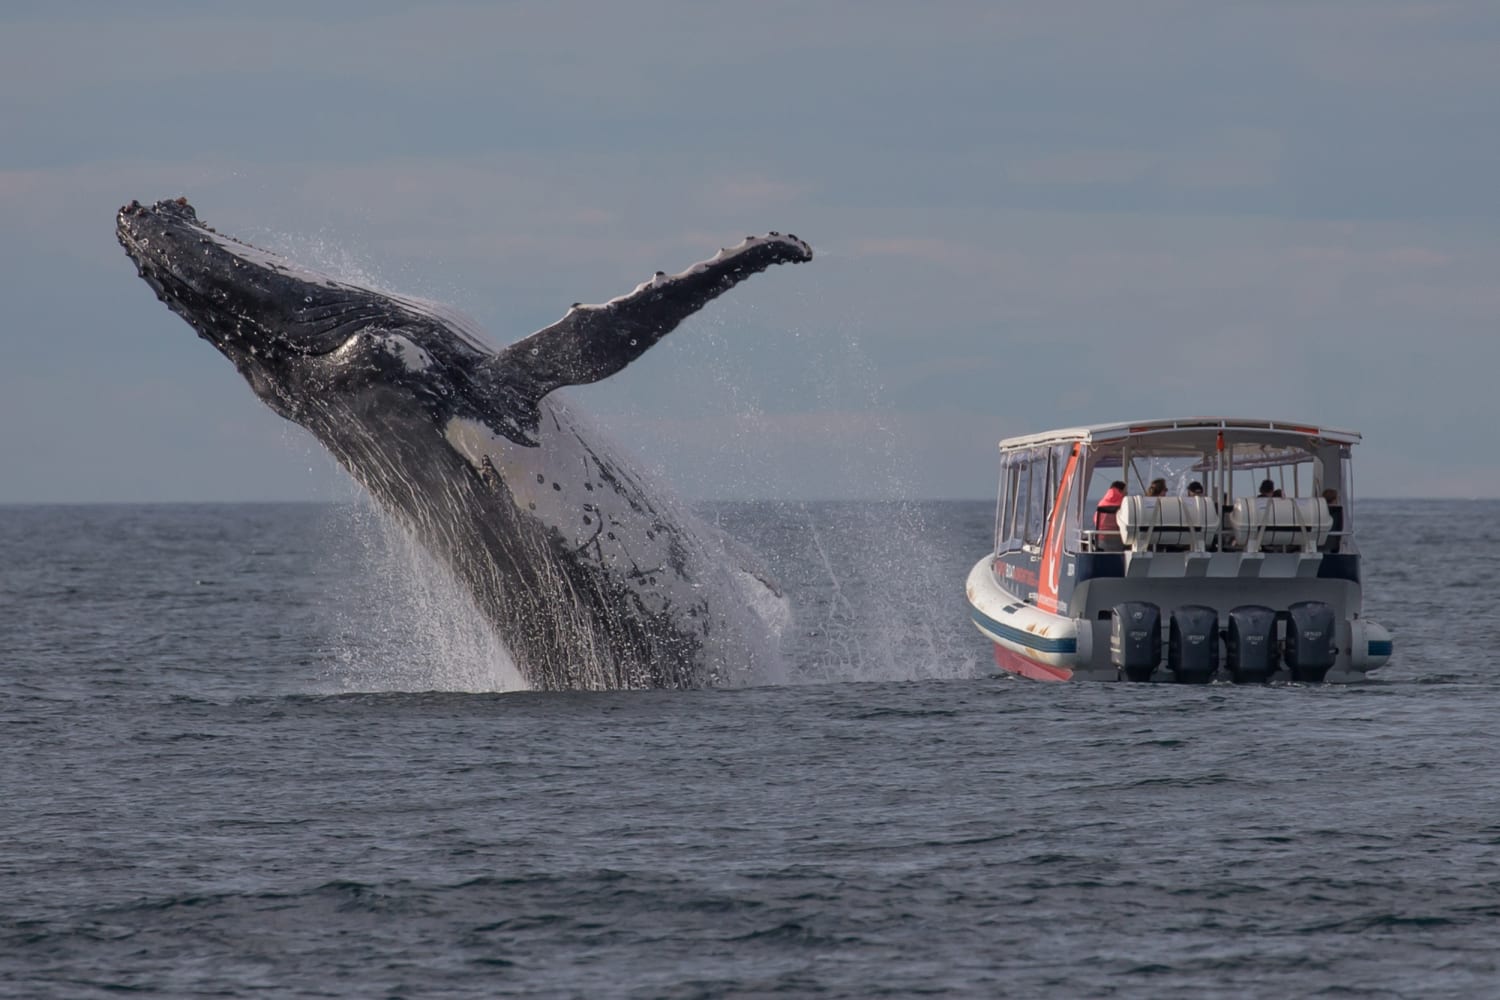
(1018, 223)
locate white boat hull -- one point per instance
(1028, 640)
(1056, 647)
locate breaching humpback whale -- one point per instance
(591, 579)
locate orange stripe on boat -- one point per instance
(1049, 571)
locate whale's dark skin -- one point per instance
(591, 578)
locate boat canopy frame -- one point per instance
(1040, 472)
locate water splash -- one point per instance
(875, 605)
(884, 609)
(398, 619)
(403, 622)
(904, 601)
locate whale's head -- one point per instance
(297, 336)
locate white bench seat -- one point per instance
(1279, 524)
(1166, 523)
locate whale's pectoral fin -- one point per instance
(593, 342)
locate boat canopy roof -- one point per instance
(1188, 434)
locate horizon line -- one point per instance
(332, 501)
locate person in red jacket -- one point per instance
(1105, 521)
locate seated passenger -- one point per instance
(1267, 491)
(1158, 488)
(1211, 535)
(1105, 521)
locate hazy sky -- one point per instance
(1027, 215)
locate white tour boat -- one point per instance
(1186, 550)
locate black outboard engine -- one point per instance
(1310, 641)
(1251, 644)
(1135, 639)
(1193, 644)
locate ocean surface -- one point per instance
(265, 750)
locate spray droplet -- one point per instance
(307, 299)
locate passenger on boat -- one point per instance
(1105, 522)
(1195, 489)
(1158, 488)
(1267, 487)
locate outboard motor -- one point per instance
(1251, 644)
(1193, 644)
(1310, 641)
(1135, 639)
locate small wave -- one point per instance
(906, 713)
(1379, 921)
(1184, 781)
(977, 841)
(793, 932)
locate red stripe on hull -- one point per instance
(1018, 664)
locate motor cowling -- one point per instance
(1193, 644)
(1311, 641)
(1250, 644)
(1135, 639)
